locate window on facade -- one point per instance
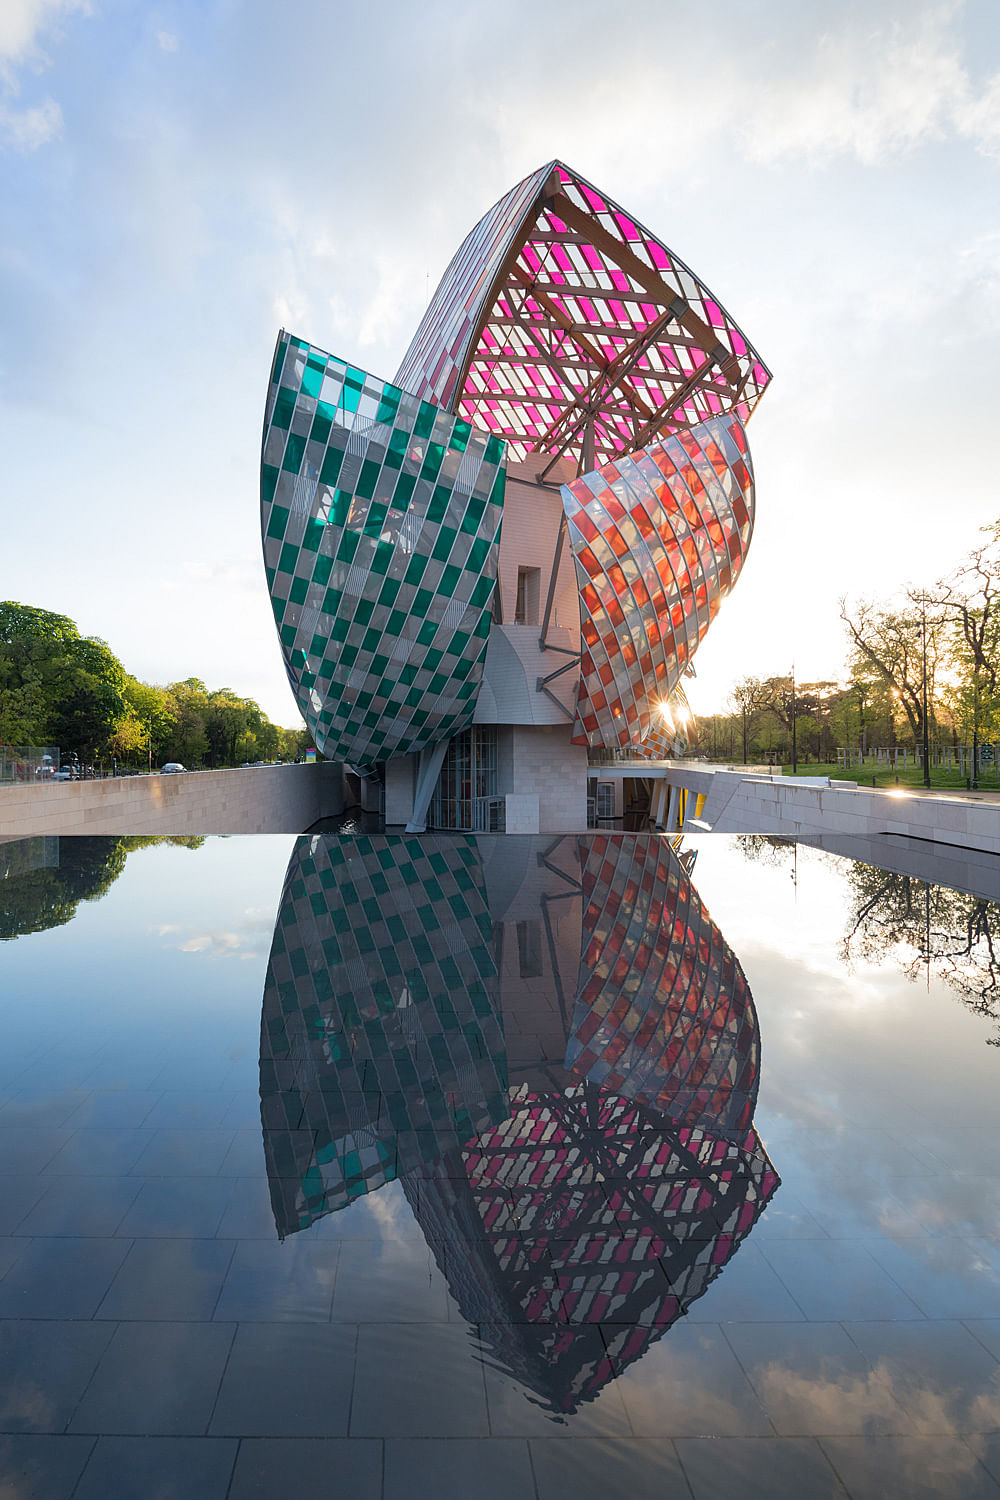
(605, 799)
(528, 588)
(466, 794)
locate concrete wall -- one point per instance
(531, 516)
(261, 799)
(399, 779)
(747, 804)
(544, 763)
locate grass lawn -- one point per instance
(946, 780)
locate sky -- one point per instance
(179, 180)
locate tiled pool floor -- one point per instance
(492, 1168)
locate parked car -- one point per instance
(170, 767)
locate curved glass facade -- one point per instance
(658, 539)
(381, 519)
(560, 311)
(567, 1171)
(566, 332)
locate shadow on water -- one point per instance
(551, 1045)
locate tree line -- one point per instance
(924, 664)
(61, 688)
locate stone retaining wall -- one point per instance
(258, 799)
(745, 804)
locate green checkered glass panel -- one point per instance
(382, 1045)
(380, 516)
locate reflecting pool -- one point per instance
(491, 1166)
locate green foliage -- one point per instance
(60, 688)
(37, 897)
(56, 686)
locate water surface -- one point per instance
(473, 1166)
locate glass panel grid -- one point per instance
(381, 539)
(658, 540)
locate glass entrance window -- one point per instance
(466, 796)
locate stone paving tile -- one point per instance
(245, 1157)
(18, 1196)
(287, 1380)
(104, 1151)
(833, 1280)
(195, 1153)
(182, 1207)
(34, 1109)
(388, 1213)
(596, 1468)
(159, 1468)
(248, 1213)
(309, 1469)
(487, 1468)
(268, 1282)
(188, 1109)
(944, 1277)
(986, 1447)
(757, 1469)
(761, 1468)
(909, 1468)
(80, 1206)
(517, 1410)
(418, 1380)
(169, 1279)
(940, 1374)
(156, 1378)
(12, 1249)
(118, 1108)
(388, 1281)
(27, 1148)
(748, 1290)
(786, 1218)
(36, 1467)
(61, 1278)
(690, 1384)
(813, 1379)
(45, 1367)
(987, 1331)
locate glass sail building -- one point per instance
(552, 1047)
(502, 562)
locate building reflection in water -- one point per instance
(552, 1046)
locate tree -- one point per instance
(968, 601)
(888, 645)
(749, 697)
(19, 708)
(38, 897)
(928, 929)
(67, 688)
(187, 740)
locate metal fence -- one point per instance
(22, 765)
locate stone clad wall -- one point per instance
(745, 804)
(260, 799)
(545, 764)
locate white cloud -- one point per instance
(22, 22)
(166, 41)
(27, 129)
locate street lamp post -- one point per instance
(795, 758)
(975, 727)
(923, 644)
